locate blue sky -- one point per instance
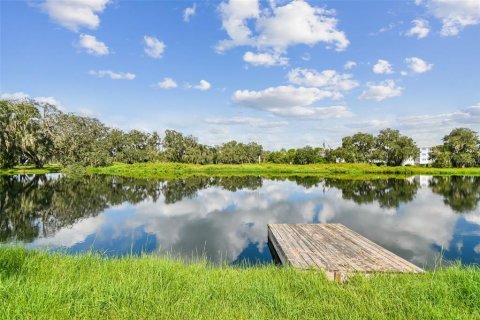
(282, 73)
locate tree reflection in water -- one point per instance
(39, 205)
(461, 193)
(389, 193)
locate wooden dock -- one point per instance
(333, 248)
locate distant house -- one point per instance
(424, 156)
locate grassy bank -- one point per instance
(42, 286)
(166, 170)
(175, 170)
(51, 168)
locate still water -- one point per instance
(225, 219)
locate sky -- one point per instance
(281, 73)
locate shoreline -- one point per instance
(179, 170)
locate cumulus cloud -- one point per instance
(112, 75)
(381, 91)
(166, 83)
(153, 47)
(278, 27)
(418, 65)
(349, 65)
(22, 96)
(420, 29)
(248, 121)
(265, 59)
(382, 67)
(327, 79)
(203, 85)
(14, 96)
(189, 12)
(291, 101)
(455, 15)
(75, 14)
(92, 46)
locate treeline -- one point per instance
(35, 133)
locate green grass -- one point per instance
(30, 169)
(178, 170)
(38, 285)
(172, 170)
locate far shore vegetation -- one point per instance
(41, 285)
(36, 135)
(162, 170)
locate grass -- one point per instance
(180, 170)
(39, 285)
(30, 169)
(172, 170)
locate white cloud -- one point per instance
(167, 83)
(248, 121)
(265, 59)
(306, 56)
(235, 14)
(454, 14)
(467, 116)
(418, 65)
(383, 29)
(203, 85)
(112, 75)
(75, 14)
(290, 101)
(349, 65)
(380, 91)
(92, 45)
(22, 96)
(153, 47)
(87, 112)
(14, 96)
(189, 12)
(420, 29)
(278, 27)
(382, 67)
(327, 79)
(48, 100)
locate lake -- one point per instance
(225, 218)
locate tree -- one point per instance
(81, 140)
(357, 148)
(393, 149)
(440, 157)
(22, 135)
(462, 145)
(173, 146)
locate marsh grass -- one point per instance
(172, 170)
(180, 170)
(41, 285)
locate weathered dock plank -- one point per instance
(333, 248)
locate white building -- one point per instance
(424, 157)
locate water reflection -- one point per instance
(462, 194)
(388, 193)
(225, 218)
